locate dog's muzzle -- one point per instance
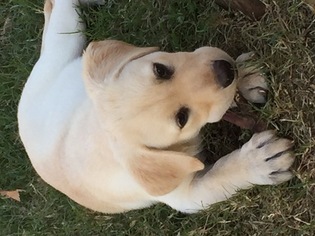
(225, 72)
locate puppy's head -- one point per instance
(156, 99)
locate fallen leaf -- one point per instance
(13, 194)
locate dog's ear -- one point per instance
(105, 59)
(160, 172)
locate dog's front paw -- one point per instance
(268, 158)
(251, 82)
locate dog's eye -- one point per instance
(182, 117)
(162, 72)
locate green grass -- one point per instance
(284, 41)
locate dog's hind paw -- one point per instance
(251, 82)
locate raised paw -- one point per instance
(251, 82)
(268, 158)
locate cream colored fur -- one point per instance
(102, 129)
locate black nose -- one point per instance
(224, 72)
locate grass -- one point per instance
(284, 41)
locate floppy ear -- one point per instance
(105, 59)
(160, 172)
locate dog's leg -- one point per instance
(62, 42)
(62, 37)
(47, 12)
(76, 25)
(264, 160)
(251, 83)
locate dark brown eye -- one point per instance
(162, 72)
(182, 117)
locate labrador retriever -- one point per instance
(117, 128)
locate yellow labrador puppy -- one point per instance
(117, 128)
